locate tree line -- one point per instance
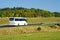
(26, 12)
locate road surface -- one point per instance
(6, 25)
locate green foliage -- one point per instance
(57, 14)
(38, 28)
(32, 36)
(52, 26)
(24, 12)
(58, 24)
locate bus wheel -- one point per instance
(24, 24)
(18, 24)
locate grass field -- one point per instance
(31, 32)
(42, 19)
(29, 29)
(32, 36)
(5, 20)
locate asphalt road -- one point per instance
(5, 26)
(36, 24)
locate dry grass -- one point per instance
(42, 19)
(28, 29)
(5, 20)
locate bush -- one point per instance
(58, 24)
(53, 26)
(38, 28)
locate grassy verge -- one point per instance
(28, 29)
(42, 19)
(5, 20)
(30, 33)
(32, 36)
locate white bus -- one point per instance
(17, 21)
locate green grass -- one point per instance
(28, 29)
(30, 33)
(32, 36)
(5, 20)
(48, 24)
(42, 19)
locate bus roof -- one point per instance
(18, 17)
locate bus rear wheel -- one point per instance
(18, 25)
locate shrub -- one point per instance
(53, 26)
(38, 28)
(58, 24)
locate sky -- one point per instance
(50, 5)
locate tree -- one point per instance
(25, 12)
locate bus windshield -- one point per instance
(11, 19)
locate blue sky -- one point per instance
(51, 5)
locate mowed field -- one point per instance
(5, 20)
